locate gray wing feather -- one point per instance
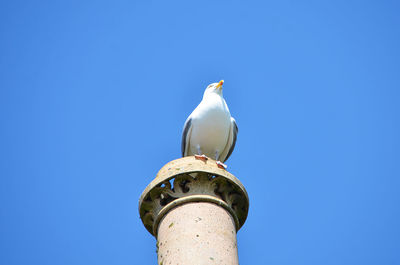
(235, 132)
(186, 129)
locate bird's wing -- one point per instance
(231, 141)
(187, 129)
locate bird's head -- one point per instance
(214, 88)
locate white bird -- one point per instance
(210, 131)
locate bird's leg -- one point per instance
(219, 163)
(199, 155)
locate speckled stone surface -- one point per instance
(197, 233)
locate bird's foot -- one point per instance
(221, 165)
(201, 157)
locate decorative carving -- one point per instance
(188, 180)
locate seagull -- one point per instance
(210, 131)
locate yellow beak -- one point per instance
(220, 83)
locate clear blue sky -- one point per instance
(94, 94)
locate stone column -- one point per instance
(194, 209)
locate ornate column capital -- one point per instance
(190, 180)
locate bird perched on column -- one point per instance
(210, 131)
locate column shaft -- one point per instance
(197, 233)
